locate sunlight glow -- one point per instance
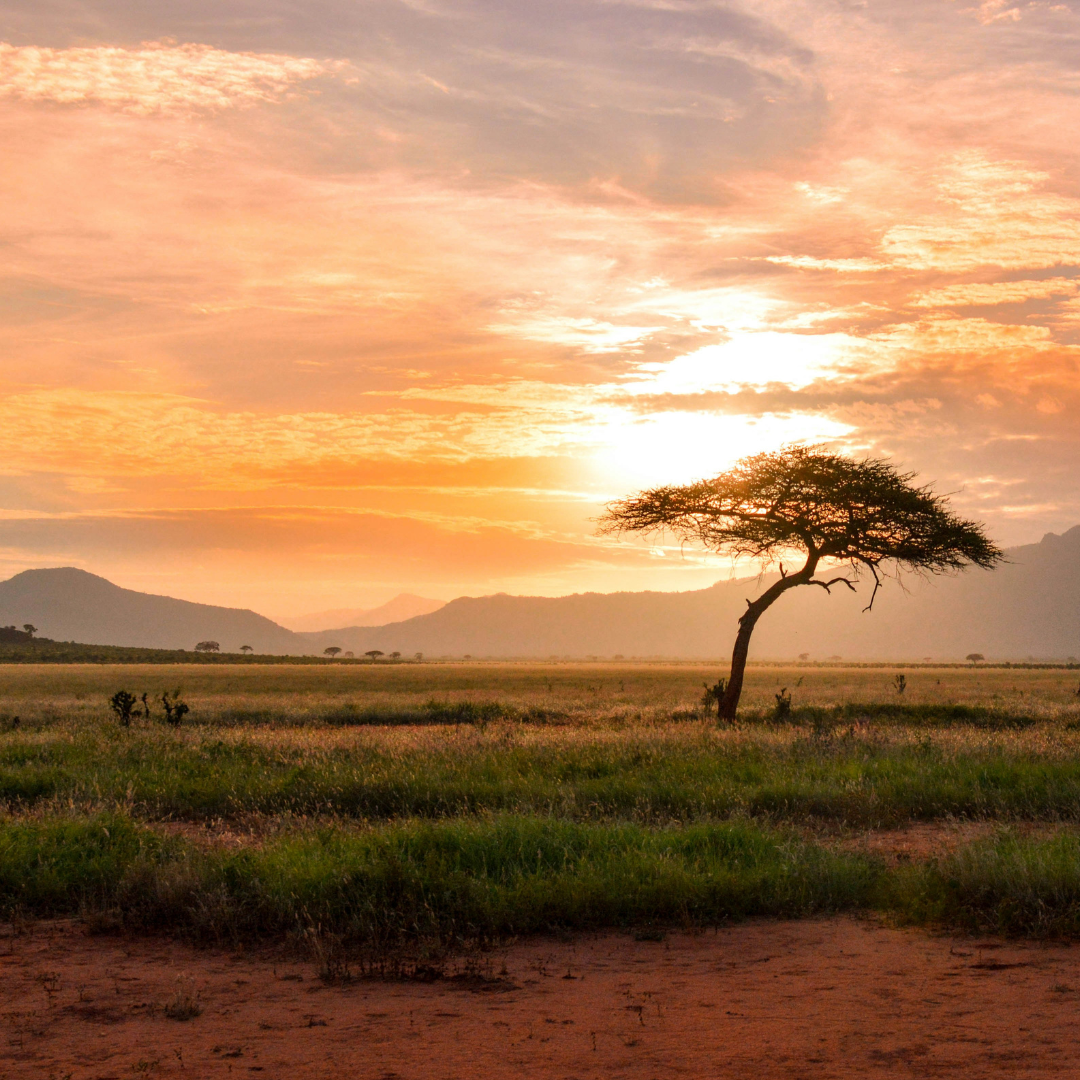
(794, 360)
(679, 447)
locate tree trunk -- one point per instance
(747, 621)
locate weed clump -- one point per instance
(713, 696)
(184, 1004)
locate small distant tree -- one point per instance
(331, 650)
(29, 628)
(395, 656)
(804, 656)
(349, 654)
(373, 654)
(208, 646)
(245, 649)
(974, 657)
(822, 507)
(418, 656)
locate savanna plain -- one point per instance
(552, 870)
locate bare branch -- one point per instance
(827, 585)
(877, 585)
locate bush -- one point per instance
(122, 703)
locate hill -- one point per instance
(67, 604)
(1030, 607)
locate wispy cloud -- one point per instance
(156, 78)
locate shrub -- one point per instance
(175, 709)
(783, 705)
(122, 703)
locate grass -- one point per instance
(445, 882)
(650, 774)
(449, 803)
(457, 882)
(1005, 885)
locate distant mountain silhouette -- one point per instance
(67, 604)
(403, 606)
(1029, 607)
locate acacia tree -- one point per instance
(802, 500)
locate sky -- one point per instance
(305, 304)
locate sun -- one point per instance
(638, 451)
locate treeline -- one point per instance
(45, 651)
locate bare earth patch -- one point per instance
(823, 998)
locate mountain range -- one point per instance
(1027, 608)
(403, 606)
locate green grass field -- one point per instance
(384, 804)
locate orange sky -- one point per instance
(309, 304)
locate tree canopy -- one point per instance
(804, 500)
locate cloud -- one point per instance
(974, 294)
(516, 259)
(991, 213)
(157, 78)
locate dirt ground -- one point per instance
(823, 998)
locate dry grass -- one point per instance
(575, 692)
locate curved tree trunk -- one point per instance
(748, 620)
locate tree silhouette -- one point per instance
(30, 628)
(122, 703)
(395, 656)
(245, 649)
(332, 650)
(974, 657)
(374, 654)
(208, 646)
(805, 501)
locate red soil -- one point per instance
(815, 999)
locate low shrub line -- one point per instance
(459, 881)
